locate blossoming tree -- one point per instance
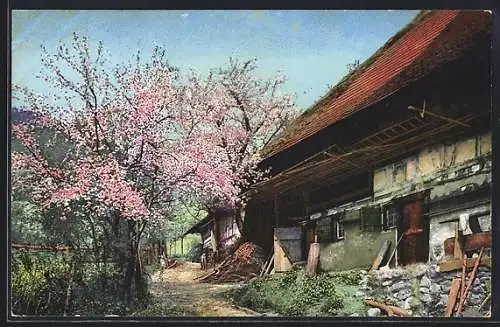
(137, 140)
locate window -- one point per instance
(391, 217)
(339, 227)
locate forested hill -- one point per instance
(21, 116)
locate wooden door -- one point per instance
(413, 245)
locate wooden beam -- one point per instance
(433, 130)
(457, 249)
(276, 211)
(312, 259)
(469, 242)
(381, 254)
(452, 297)
(448, 119)
(472, 278)
(456, 264)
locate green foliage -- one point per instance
(98, 292)
(26, 223)
(351, 277)
(162, 310)
(39, 283)
(293, 294)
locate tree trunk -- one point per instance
(67, 301)
(140, 285)
(129, 275)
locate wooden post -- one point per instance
(182, 245)
(276, 210)
(457, 250)
(396, 248)
(455, 289)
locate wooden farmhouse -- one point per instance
(399, 151)
(218, 231)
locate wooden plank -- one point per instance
(389, 309)
(452, 297)
(456, 264)
(312, 260)
(470, 242)
(470, 283)
(462, 279)
(381, 255)
(266, 264)
(270, 268)
(281, 259)
(457, 248)
(394, 251)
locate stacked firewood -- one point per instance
(245, 263)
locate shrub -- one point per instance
(291, 294)
(39, 283)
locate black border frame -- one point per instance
(296, 4)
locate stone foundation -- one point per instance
(422, 290)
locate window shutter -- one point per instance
(324, 230)
(370, 219)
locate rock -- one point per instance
(448, 277)
(354, 315)
(446, 289)
(417, 270)
(471, 312)
(403, 294)
(485, 279)
(374, 312)
(425, 282)
(432, 273)
(444, 299)
(435, 289)
(478, 290)
(426, 298)
(387, 283)
(398, 286)
(408, 303)
(424, 290)
(445, 282)
(474, 299)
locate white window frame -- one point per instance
(385, 215)
(339, 222)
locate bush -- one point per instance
(291, 294)
(39, 283)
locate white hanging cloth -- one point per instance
(464, 223)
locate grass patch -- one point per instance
(164, 310)
(295, 294)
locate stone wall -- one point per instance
(424, 291)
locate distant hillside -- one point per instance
(54, 153)
(21, 116)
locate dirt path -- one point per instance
(178, 283)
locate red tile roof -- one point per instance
(432, 39)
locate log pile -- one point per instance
(245, 263)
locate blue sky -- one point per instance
(312, 48)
